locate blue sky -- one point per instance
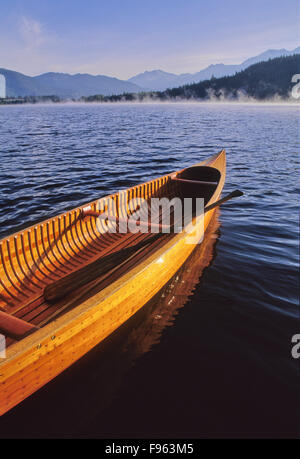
(124, 37)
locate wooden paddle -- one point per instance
(91, 271)
(233, 194)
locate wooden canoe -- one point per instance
(65, 284)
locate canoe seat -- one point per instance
(199, 173)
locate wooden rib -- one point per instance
(24, 279)
(42, 257)
(48, 252)
(78, 241)
(8, 276)
(83, 231)
(17, 241)
(32, 271)
(7, 290)
(13, 274)
(59, 244)
(86, 249)
(70, 244)
(98, 241)
(17, 273)
(34, 256)
(89, 232)
(53, 248)
(64, 242)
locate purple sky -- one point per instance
(124, 37)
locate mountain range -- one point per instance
(75, 86)
(158, 80)
(64, 85)
(269, 80)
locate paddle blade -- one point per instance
(236, 193)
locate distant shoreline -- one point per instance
(66, 102)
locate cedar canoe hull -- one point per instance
(38, 358)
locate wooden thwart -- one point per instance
(194, 182)
(88, 212)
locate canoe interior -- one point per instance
(37, 257)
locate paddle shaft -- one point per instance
(233, 194)
(89, 212)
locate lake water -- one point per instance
(213, 358)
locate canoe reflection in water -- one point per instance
(163, 308)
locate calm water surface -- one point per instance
(224, 368)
